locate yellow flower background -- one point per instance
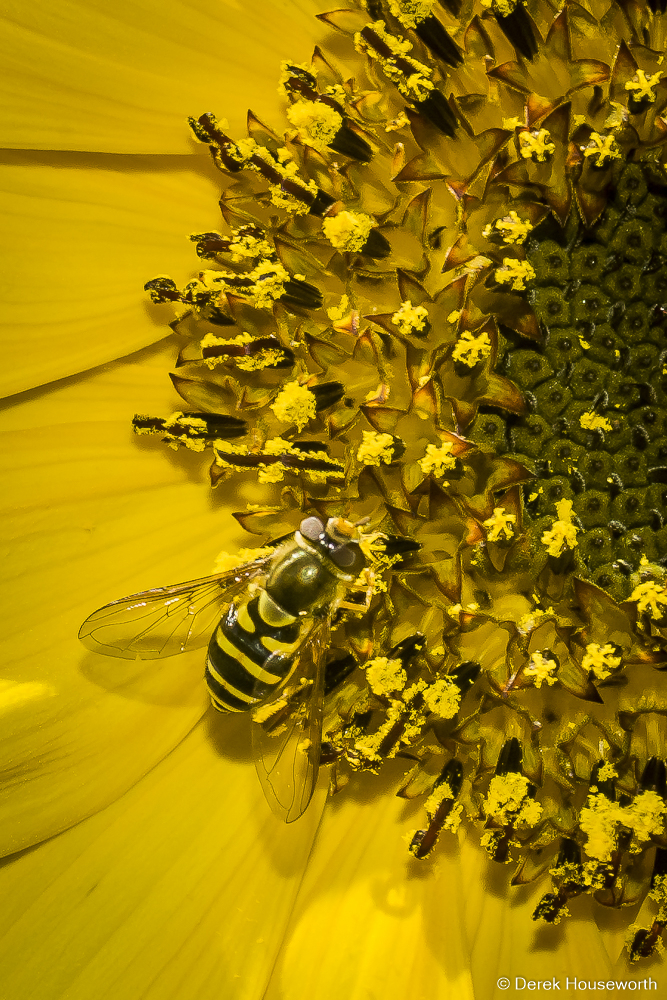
(141, 858)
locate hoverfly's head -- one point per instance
(338, 540)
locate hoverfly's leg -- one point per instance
(368, 589)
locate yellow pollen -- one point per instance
(337, 312)
(542, 669)
(508, 801)
(512, 228)
(563, 534)
(317, 124)
(376, 448)
(415, 86)
(409, 318)
(437, 796)
(515, 273)
(225, 561)
(536, 145)
(648, 597)
(502, 7)
(443, 698)
(591, 421)
(470, 349)
(295, 404)
(499, 525)
(642, 86)
(602, 148)
(601, 817)
(385, 676)
(437, 459)
(601, 660)
(607, 772)
(411, 12)
(397, 123)
(348, 230)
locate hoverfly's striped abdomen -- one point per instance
(237, 673)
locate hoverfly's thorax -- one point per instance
(301, 580)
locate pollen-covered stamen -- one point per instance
(265, 284)
(470, 349)
(193, 430)
(403, 714)
(510, 802)
(642, 942)
(200, 299)
(246, 242)
(316, 124)
(500, 525)
(602, 660)
(355, 232)
(571, 878)
(376, 449)
(386, 676)
(319, 118)
(411, 320)
(601, 149)
(163, 289)
(613, 827)
(542, 668)
(514, 273)
(411, 77)
(287, 189)
(536, 145)
(651, 599)
(563, 533)
(641, 89)
(418, 15)
(441, 808)
(510, 230)
(277, 457)
(438, 459)
(295, 404)
(246, 352)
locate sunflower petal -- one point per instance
(379, 922)
(91, 516)
(504, 941)
(180, 890)
(84, 233)
(124, 79)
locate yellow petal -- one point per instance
(84, 237)
(123, 78)
(93, 514)
(504, 940)
(179, 891)
(370, 920)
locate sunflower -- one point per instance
(441, 270)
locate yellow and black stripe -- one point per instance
(237, 673)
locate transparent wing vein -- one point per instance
(168, 620)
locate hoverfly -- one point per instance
(266, 648)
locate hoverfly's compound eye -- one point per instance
(344, 556)
(349, 558)
(311, 528)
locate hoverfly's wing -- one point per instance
(168, 620)
(287, 730)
